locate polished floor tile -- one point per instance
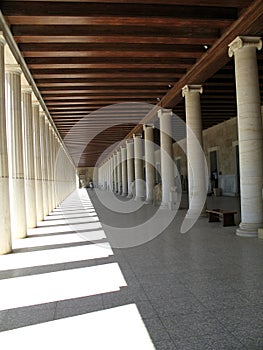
(199, 290)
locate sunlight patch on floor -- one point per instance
(61, 285)
(54, 256)
(117, 328)
(46, 241)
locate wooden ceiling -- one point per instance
(104, 65)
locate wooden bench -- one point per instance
(227, 216)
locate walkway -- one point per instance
(198, 290)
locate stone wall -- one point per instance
(221, 138)
(85, 174)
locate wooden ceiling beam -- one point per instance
(114, 54)
(111, 65)
(119, 77)
(103, 84)
(249, 23)
(113, 39)
(224, 3)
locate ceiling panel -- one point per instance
(101, 67)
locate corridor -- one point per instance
(67, 286)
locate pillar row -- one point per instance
(29, 157)
(124, 171)
(167, 165)
(15, 146)
(44, 165)
(130, 165)
(115, 173)
(37, 153)
(5, 223)
(138, 168)
(149, 162)
(196, 162)
(119, 173)
(249, 133)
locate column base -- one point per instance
(124, 194)
(139, 199)
(148, 201)
(129, 196)
(164, 205)
(248, 230)
(260, 233)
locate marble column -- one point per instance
(37, 155)
(111, 174)
(249, 133)
(167, 164)
(29, 157)
(119, 173)
(130, 165)
(124, 171)
(5, 223)
(15, 148)
(52, 169)
(44, 163)
(49, 164)
(149, 162)
(138, 168)
(196, 163)
(55, 180)
(115, 173)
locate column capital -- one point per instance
(164, 112)
(137, 136)
(13, 68)
(243, 41)
(192, 89)
(145, 126)
(42, 113)
(26, 89)
(129, 141)
(35, 103)
(2, 39)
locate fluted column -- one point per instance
(44, 163)
(197, 191)
(55, 179)
(52, 157)
(5, 224)
(167, 165)
(149, 162)
(115, 172)
(130, 165)
(49, 165)
(37, 154)
(138, 168)
(111, 174)
(15, 148)
(249, 133)
(124, 171)
(29, 158)
(119, 173)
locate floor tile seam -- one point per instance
(161, 322)
(205, 334)
(51, 247)
(225, 327)
(32, 268)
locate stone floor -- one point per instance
(70, 285)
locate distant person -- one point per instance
(91, 186)
(215, 178)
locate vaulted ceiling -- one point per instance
(103, 66)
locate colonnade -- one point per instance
(36, 173)
(250, 139)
